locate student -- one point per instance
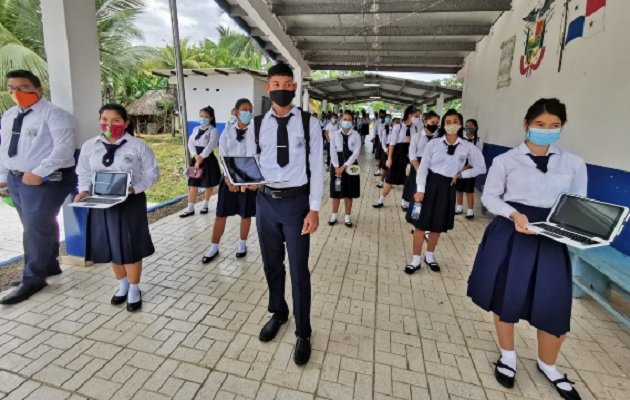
(119, 234)
(377, 148)
(233, 200)
(345, 147)
(518, 274)
(289, 144)
(468, 185)
(364, 125)
(398, 154)
(416, 149)
(201, 145)
(442, 165)
(384, 131)
(331, 126)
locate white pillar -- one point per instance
(297, 77)
(72, 52)
(336, 108)
(306, 98)
(424, 108)
(439, 106)
(325, 106)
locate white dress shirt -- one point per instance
(208, 141)
(417, 145)
(514, 177)
(336, 146)
(230, 147)
(294, 173)
(479, 143)
(330, 127)
(134, 156)
(47, 140)
(399, 134)
(436, 159)
(383, 136)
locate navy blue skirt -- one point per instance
(410, 185)
(400, 159)
(520, 276)
(211, 172)
(438, 207)
(120, 234)
(378, 148)
(235, 203)
(465, 185)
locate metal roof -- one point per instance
(419, 35)
(393, 90)
(167, 73)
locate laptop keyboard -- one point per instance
(100, 200)
(557, 232)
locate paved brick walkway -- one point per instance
(378, 333)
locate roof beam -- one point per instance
(389, 46)
(359, 60)
(372, 67)
(419, 30)
(390, 7)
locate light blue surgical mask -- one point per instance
(387, 120)
(245, 117)
(543, 137)
(333, 120)
(346, 124)
(204, 121)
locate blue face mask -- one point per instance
(245, 117)
(204, 121)
(543, 137)
(387, 120)
(346, 124)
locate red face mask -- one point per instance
(25, 99)
(113, 131)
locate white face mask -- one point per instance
(452, 129)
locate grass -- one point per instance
(169, 152)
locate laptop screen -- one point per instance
(587, 216)
(110, 184)
(243, 170)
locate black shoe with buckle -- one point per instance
(206, 260)
(378, 204)
(271, 328)
(302, 352)
(239, 254)
(435, 267)
(132, 307)
(505, 380)
(187, 214)
(565, 394)
(203, 210)
(118, 300)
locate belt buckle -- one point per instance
(275, 194)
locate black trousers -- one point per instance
(38, 207)
(280, 221)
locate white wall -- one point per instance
(259, 92)
(594, 83)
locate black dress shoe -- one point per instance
(302, 352)
(377, 205)
(22, 292)
(186, 214)
(505, 380)
(348, 224)
(565, 394)
(331, 223)
(206, 260)
(118, 300)
(203, 211)
(132, 307)
(271, 328)
(19, 281)
(240, 254)
(435, 267)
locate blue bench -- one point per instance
(597, 272)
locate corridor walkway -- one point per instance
(378, 333)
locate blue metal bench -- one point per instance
(597, 272)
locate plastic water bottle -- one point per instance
(338, 184)
(415, 211)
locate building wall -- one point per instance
(594, 83)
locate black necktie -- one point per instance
(386, 130)
(240, 134)
(408, 133)
(451, 148)
(282, 140)
(346, 148)
(541, 162)
(17, 129)
(108, 158)
(200, 133)
(429, 137)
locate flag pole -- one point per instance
(564, 33)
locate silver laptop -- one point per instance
(582, 222)
(243, 171)
(108, 189)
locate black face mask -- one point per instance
(432, 128)
(282, 97)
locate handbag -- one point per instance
(353, 170)
(194, 173)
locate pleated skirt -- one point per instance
(400, 159)
(235, 203)
(211, 172)
(438, 207)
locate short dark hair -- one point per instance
(120, 110)
(280, 69)
(552, 106)
(242, 101)
(431, 114)
(22, 73)
(448, 113)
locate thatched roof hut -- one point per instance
(148, 104)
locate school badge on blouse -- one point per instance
(128, 159)
(300, 142)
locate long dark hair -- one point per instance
(442, 132)
(120, 110)
(210, 110)
(475, 132)
(408, 111)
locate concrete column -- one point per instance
(72, 52)
(306, 101)
(439, 106)
(424, 108)
(336, 108)
(297, 77)
(325, 105)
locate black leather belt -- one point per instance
(285, 192)
(20, 174)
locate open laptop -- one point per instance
(243, 171)
(582, 222)
(108, 189)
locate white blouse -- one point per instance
(336, 146)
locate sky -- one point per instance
(198, 20)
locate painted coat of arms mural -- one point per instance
(535, 28)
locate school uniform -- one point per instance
(233, 144)
(416, 149)
(119, 234)
(377, 149)
(345, 150)
(440, 163)
(519, 276)
(384, 134)
(468, 185)
(400, 139)
(281, 207)
(202, 142)
(330, 128)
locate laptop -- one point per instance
(108, 189)
(243, 171)
(582, 222)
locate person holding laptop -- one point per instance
(233, 199)
(517, 274)
(119, 234)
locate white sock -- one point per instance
(470, 212)
(553, 374)
(346, 219)
(429, 257)
(191, 207)
(242, 246)
(459, 208)
(204, 204)
(134, 294)
(415, 261)
(508, 357)
(123, 287)
(214, 249)
(381, 199)
(333, 217)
